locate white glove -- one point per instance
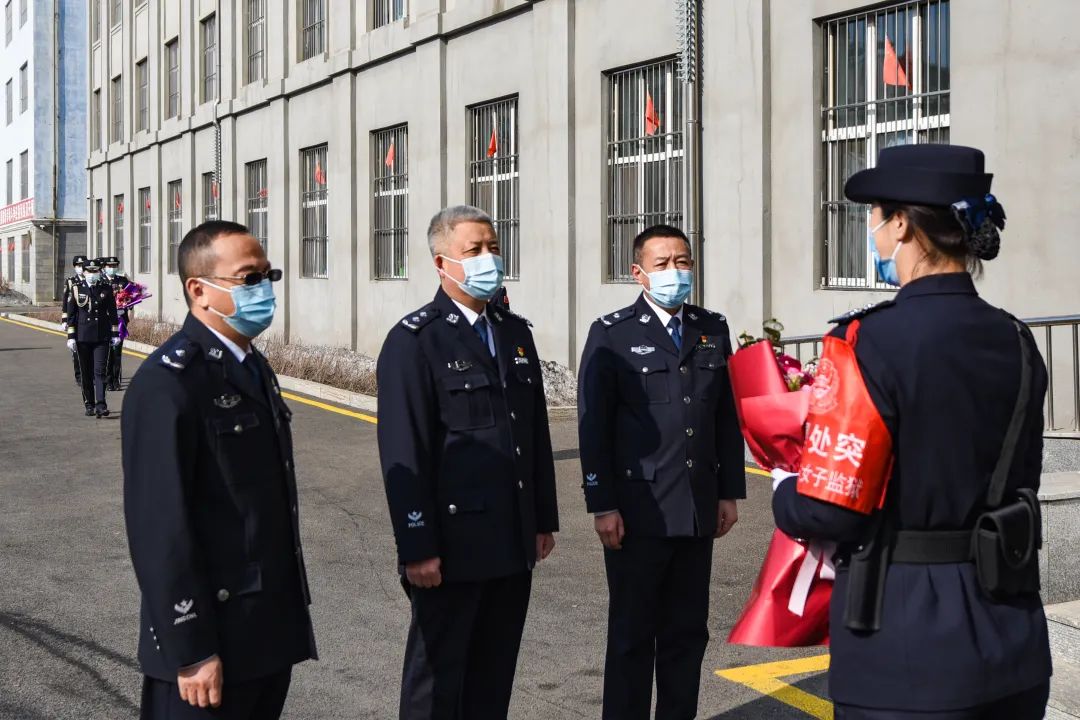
(115, 341)
(779, 476)
(71, 345)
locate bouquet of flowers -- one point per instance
(789, 602)
(126, 298)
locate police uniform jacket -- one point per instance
(211, 507)
(943, 369)
(659, 436)
(464, 442)
(90, 312)
(66, 299)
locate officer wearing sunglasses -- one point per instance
(210, 498)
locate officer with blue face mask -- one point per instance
(210, 498)
(470, 479)
(662, 467)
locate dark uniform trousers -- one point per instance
(466, 457)
(253, 700)
(660, 443)
(211, 508)
(93, 360)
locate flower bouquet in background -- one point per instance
(789, 602)
(126, 298)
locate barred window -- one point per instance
(95, 20)
(142, 89)
(390, 195)
(117, 113)
(95, 121)
(24, 174)
(886, 83)
(118, 227)
(22, 13)
(388, 11)
(99, 227)
(175, 198)
(209, 58)
(172, 79)
(644, 158)
(8, 25)
(210, 197)
(9, 102)
(116, 15)
(258, 211)
(144, 230)
(10, 185)
(313, 206)
(314, 35)
(494, 174)
(26, 249)
(256, 40)
(24, 88)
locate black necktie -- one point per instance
(481, 328)
(252, 366)
(676, 333)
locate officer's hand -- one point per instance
(610, 529)
(200, 685)
(727, 516)
(545, 543)
(71, 345)
(425, 574)
(115, 341)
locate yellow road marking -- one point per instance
(765, 679)
(314, 403)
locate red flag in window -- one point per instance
(493, 144)
(120, 208)
(263, 193)
(893, 72)
(213, 190)
(652, 120)
(147, 202)
(320, 175)
(391, 155)
(101, 218)
(176, 200)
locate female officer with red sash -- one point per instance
(926, 424)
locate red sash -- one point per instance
(847, 456)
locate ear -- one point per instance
(197, 292)
(640, 275)
(900, 227)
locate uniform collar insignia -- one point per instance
(227, 402)
(644, 319)
(460, 365)
(498, 317)
(692, 316)
(453, 318)
(180, 352)
(643, 349)
(215, 353)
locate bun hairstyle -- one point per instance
(967, 231)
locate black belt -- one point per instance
(932, 547)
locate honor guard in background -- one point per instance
(91, 330)
(210, 498)
(118, 282)
(930, 618)
(65, 321)
(662, 461)
(470, 478)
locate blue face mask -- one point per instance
(483, 275)
(886, 269)
(670, 288)
(255, 305)
(91, 277)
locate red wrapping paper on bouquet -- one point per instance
(789, 602)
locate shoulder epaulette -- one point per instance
(417, 320)
(694, 313)
(618, 316)
(178, 352)
(861, 312)
(507, 312)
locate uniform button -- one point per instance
(151, 629)
(518, 450)
(452, 509)
(521, 485)
(512, 415)
(683, 370)
(468, 386)
(644, 369)
(689, 463)
(223, 595)
(689, 432)
(504, 384)
(528, 380)
(629, 474)
(686, 399)
(158, 647)
(238, 429)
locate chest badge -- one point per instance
(227, 402)
(460, 365)
(705, 344)
(643, 350)
(644, 319)
(521, 359)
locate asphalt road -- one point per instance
(69, 603)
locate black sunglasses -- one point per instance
(251, 278)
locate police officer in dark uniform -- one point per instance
(76, 263)
(960, 386)
(662, 460)
(210, 498)
(118, 282)
(92, 329)
(470, 479)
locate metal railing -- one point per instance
(1058, 367)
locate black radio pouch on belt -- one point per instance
(1006, 539)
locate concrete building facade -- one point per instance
(342, 125)
(42, 144)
